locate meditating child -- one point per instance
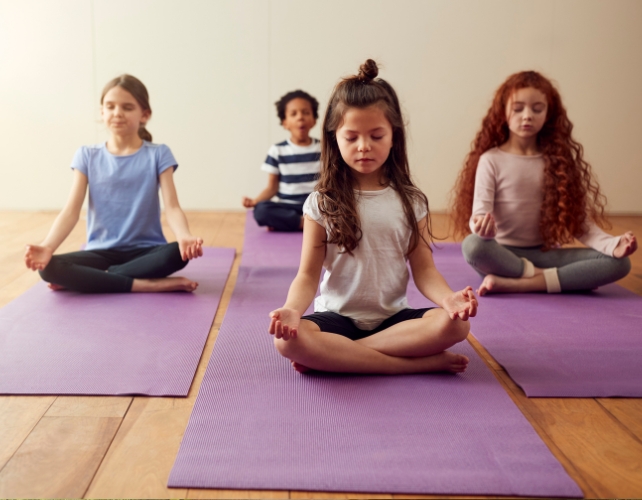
(126, 250)
(526, 189)
(292, 166)
(363, 223)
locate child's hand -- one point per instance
(190, 247)
(462, 304)
(284, 323)
(37, 257)
(248, 202)
(627, 245)
(485, 226)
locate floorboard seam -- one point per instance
(27, 436)
(620, 424)
(122, 419)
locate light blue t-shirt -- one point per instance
(124, 208)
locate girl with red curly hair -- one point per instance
(525, 190)
(365, 221)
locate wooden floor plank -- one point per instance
(627, 411)
(142, 454)
(18, 416)
(89, 406)
(238, 494)
(59, 458)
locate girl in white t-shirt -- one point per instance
(126, 250)
(363, 223)
(525, 189)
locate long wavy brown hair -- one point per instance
(571, 194)
(336, 186)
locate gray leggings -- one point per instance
(577, 268)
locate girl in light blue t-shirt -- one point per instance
(126, 250)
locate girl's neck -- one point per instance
(123, 145)
(371, 182)
(523, 146)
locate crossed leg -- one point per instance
(412, 346)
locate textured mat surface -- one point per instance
(258, 424)
(558, 345)
(111, 344)
(270, 248)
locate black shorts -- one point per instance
(335, 323)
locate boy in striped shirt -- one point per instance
(293, 166)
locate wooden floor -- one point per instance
(124, 447)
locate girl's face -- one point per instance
(365, 139)
(526, 112)
(121, 112)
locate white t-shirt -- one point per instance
(370, 285)
(511, 187)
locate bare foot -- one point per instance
(487, 285)
(299, 367)
(164, 285)
(499, 284)
(54, 287)
(449, 362)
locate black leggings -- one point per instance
(280, 216)
(84, 271)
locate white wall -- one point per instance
(215, 67)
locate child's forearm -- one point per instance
(61, 228)
(432, 285)
(265, 195)
(301, 293)
(178, 222)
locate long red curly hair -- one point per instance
(571, 195)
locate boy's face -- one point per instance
(299, 120)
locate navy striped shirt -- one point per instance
(297, 167)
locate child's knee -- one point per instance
(286, 348)
(623, 267)
(174, 259)
(261, 213)
(474, 248)
(52, 271)
(455, 330)
(460, 329)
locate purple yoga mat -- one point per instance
(270, 248)
(558, 345)
(258, 424)
(111, 344)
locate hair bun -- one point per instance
(368, 71)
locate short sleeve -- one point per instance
(81, 161)
(311, 207)
(165, 159)
(271, 163)
(420, 208)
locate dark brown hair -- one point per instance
(138, 91)
(571, 195)
(337, 200)
(282, 103)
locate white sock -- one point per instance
(552, 280)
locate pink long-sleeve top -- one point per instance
(511, 187)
